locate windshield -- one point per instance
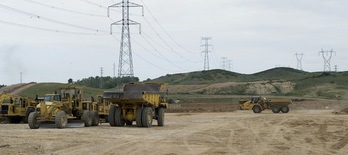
(48, 98)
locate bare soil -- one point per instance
(239, 132)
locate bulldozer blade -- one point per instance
(71, 124)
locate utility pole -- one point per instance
(114, 68)
(101, 77)
(224, 63)
(205, 43)
(299, 60)
(125, 65)
(327, 55)
(21, 77)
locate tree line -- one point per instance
(105, 82)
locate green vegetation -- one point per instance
(108, 82)
(2, 86)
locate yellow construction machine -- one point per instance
(17, 109)
(59, 108)
(258, 104)
(102, 106)
(139, 102)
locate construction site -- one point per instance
(173, 77)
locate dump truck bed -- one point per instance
(138, 93)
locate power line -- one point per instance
(48, 19)
(62, 9)
(45, 29)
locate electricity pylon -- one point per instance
(299, 60)
(125, 65)
(327, 55)
(205, 43)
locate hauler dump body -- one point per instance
(139, 102)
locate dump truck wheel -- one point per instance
(284, 109)
(95, 118)
(147, 117)
(129, 122)
(257, 109)
(275, 109)
(61, 120)
(160, 116)
(33, 121)
(111, 116)
(138, 116)
(30, 110)
(118, 117)
(14, 119)
(87, 118)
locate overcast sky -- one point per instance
(70, 38)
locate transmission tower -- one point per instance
(206, 44)
(230, 65)
(299, 60)
(125, 65)
(327, 55)
(224, 63)
(21, 77)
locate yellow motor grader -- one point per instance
(102, 106)
(17, 109)
(139, 102)
(59, 108)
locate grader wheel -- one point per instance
(33, 121)
(95, 118)
(147, 117)
(138, 119)
(87, 118)
(61, 120)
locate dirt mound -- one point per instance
(16, 88)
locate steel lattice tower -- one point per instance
(205, 43)
(299, 60)
(125, 66)
(327, 55)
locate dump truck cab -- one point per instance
(17, 109)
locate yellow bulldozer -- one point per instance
(258, 104)
(17, 109)
(59, 108)
(139, 102)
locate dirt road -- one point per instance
(240, 132)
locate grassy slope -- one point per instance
(47, 88)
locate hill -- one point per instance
(221, 76)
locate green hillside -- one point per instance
(220, 76)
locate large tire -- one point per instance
(275, 109)
(87, 118)
(147, 117)
(284, 109)
(257, 109)
(61, 120)
(119, 121)
(111, 116)
(15, 119)
(95, 118)
(33, 121)
(160, 116)
(30, 110)
(138, 116)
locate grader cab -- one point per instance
(139, 102)
(59, 108)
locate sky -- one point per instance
(54, 40)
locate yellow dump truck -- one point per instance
(258, 104)
(139, 102)
(59, 108)
(17, 109)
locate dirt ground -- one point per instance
(239, 132)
